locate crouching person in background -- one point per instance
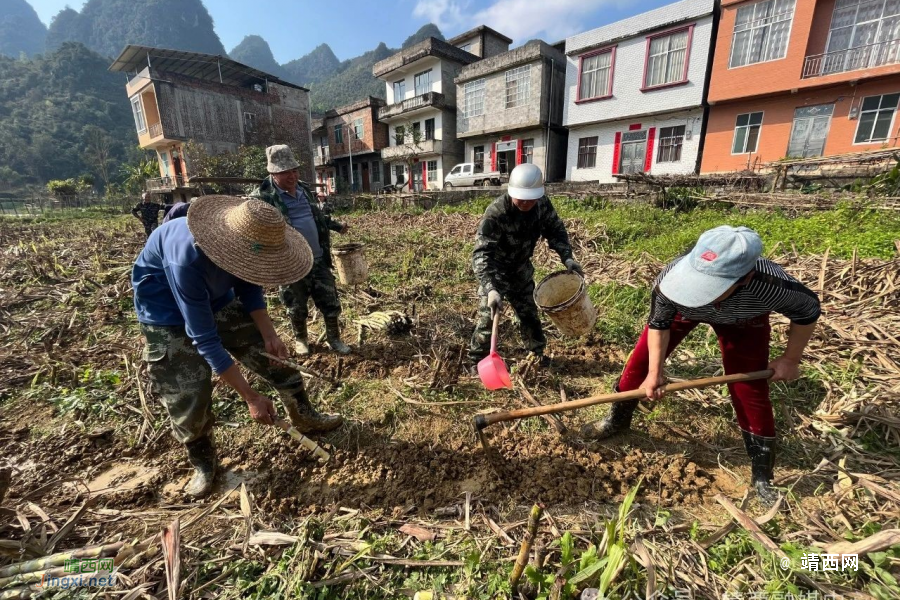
(199, 301)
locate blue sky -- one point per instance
(351, 27)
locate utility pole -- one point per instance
(350, 133)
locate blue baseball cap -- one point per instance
(720, 259)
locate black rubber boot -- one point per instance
(333, 335)
(301, 346)
(202, 456)
(541, 360)
(617, 421)
(307, 419)
(761, 450)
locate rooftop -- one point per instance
(349, 108)
(429, 47)
(651, 20)
(530, 52)
(480, 29)
(207, 67)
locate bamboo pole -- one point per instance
(55, 560)
(530, 533)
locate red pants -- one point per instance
(745, 347)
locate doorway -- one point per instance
(365, 177)
(506, 156)
(633, 153)
(810, 131)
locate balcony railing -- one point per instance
(430, 99)
(322, 156)
(852, 59)
(423, 148)
(156, 130)
(164, 184)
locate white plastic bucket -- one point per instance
(350, 260)
(563, 296)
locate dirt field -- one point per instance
(80, 428)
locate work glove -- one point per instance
(572, 265)
(495, 302)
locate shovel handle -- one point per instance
(495, 330)
(482, 421)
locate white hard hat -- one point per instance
(526, 182)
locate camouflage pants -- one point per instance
(183, 379)
(149, 227)
(318, 284)
(519, 293)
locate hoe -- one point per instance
(482, 421)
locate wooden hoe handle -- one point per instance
(482, 421)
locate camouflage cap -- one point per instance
(280, 158)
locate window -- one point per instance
(339, 133)
(667, 58)
(518, 86)
(587, 152)
(863, 34)
(429, 129)
(467, 169)
(416, 132)
(528, 151)
(466, 47)
(422, 82)
(399, 174)
(875, 118)
(671, 139)
(358, 129)
(478, 158)
(399, 135)
(746, 133)
(249, 121)
(138, 114)
(376, 172)
(595, 78)
(761, 32)
(431, 168)
(164, 159)
(323, 142)
(474, 99)
(399, 90)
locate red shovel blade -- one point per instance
(493, 372)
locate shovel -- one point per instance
(492, 370)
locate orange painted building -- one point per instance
(802, 78)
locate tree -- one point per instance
(98, 152)
(137, 173)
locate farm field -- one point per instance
(409, 501)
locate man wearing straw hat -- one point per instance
(199, 301)
(284, 190)
(504, 245)
(725, 282)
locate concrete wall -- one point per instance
(493, 45)
(628, 98)
(606, 132)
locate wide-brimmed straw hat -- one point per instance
(249, 239)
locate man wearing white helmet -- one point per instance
(504, 245)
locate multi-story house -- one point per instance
(510, 110)
(635, 93)
(422, 104)
(802, 79)
(347, 147)
(179, 96)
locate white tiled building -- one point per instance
(635, 93)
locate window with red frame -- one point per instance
(667, 59)
(596, 75)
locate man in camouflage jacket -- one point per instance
(504, 245)
(148, 213)
(301, 210)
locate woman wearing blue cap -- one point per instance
(724, 282)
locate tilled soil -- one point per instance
(524, 468)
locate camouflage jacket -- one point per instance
(147, 212)
(507, 237)
(324, 223)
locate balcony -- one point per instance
(164, 184)
(423, 148)
(156, 130)
(322, 156)
(427, 100)
(852, 59)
